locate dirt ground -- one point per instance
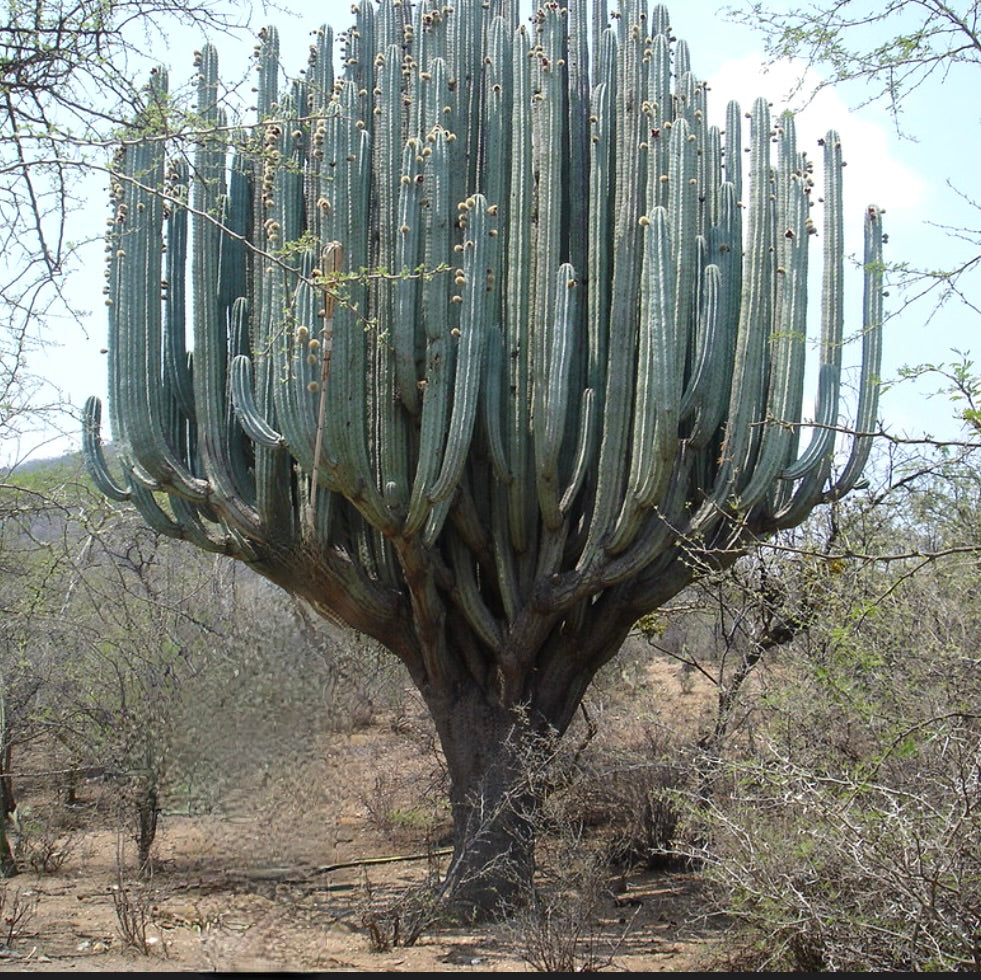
(292, 882)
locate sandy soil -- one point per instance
(277, 886)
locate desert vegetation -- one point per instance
(798, 735)
(497, 346)
(494, 651)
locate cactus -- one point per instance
(489, 339)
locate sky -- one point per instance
(908, 178)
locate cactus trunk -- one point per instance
(493, 346)
(492, 760)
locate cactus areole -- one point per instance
(483, 346)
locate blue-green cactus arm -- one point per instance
(92, 452)
(870, 380)
(437, 430)
(243, 398)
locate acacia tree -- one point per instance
(483, 355)
(846, 833)
(34, 510)
(65, 86)
(892, 48)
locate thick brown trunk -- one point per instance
(498, 734)
(494, 761)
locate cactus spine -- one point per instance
(482, 347)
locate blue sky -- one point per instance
(906, 177)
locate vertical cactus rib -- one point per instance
(407, 331)
(517, 299)
(814, 464)
(865, 416)
(576, 168)
(552, 401)
(548, 127)
(435, 410)
(494, 373)
(698, 403)
(785, 341)
(599, 230)
(584, 451)
(469, 359)
(655, 421)
(177, 374)
(468, 595)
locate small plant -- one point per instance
(399, 922)
(133, 917)
(133, 910)
(43, 842)
(686, 677)
(49, 851)
(560, 930)
(561, 937)
(16, 912)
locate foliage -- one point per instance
(959, 382)
(133, 913)
(892, 48)
(66, 67)
(16, 912)
(118, 653)
(559, 931)
(844, 835)
(858, 851)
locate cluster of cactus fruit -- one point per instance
(489, 319)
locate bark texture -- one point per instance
(490, 755)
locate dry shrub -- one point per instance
(16, 912)
(873, 869)
(133, 907)
(400, 919)
(561, 928)
(45, 836)
(626, 795)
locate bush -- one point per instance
(849, 839)
(847, 873)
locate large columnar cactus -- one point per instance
(492, 351)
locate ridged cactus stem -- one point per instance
(552, 400)
(331, 265)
